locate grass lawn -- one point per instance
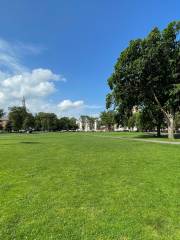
(77, 187)
(140, 135)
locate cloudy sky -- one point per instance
(59, 54)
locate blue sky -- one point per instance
(60, 53)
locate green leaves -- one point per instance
(146, 68)
(108, 119)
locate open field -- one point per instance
(77, 187)
(141, 135)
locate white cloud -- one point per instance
(37, 85)
(77, 108)
(69, 105)
(9, 58)
(28, 49)
(16, 80)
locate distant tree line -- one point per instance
(19, 118)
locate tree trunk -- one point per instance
(158, 130)
(170, 119)
(170, 126)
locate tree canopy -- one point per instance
(21, 119)
(148, 73)
(46, 121)
(108, 119)
(17, 116)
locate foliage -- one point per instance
(21, 119)
(108, 119)
(147, 73)
(29, 122)
(177, 121)
(131, 122)
(147, 119)
(67, 124)
(8, 126)
(46, 121)
(17, 115)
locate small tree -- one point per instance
(131, 122)
(108, 119)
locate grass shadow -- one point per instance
(148, 135)
(153, 135)
(16, 143)
(30, 142)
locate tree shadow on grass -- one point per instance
(148, 135)
(177, 135)
(29, 142)
(16, 143)
(153, 135)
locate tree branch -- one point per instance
(160, 106)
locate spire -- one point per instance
(24, 102)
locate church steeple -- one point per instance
(24, 102)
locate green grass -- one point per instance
(75, 186)
(141, 135)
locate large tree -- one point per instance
(148, 73)
(17, 116)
